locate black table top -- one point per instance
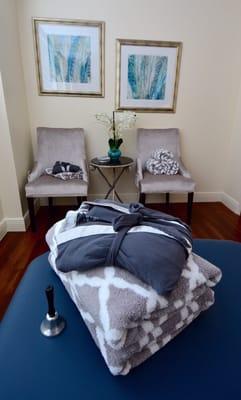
(123, 162)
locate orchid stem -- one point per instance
(114, 126)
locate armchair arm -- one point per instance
(183, 170)
(84, 166)
(139, 172)
(35, 173)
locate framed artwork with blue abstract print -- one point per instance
(147, 75)
(70, 57)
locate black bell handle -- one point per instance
(50, 298)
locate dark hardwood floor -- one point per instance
(210, 220)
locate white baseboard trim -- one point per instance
(11, 225)
(3, 229)
(160, 198)
(231, 203)
(21, 224)
(206, 197)
(125, 197)
(199, 197)
(15, 224)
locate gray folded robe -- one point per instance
(151, 245)
(127, 319)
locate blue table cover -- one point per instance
(203, 362)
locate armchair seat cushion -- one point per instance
(165, 183)
(48, 186)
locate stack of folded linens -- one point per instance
(128, 319)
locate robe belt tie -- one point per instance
(121, 224)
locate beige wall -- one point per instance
(14, 93)
(2, 222)
(1, 212)
(9, 194)
(210, 68)
(233, 175)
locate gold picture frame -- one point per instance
(147, 75)
(69, 56)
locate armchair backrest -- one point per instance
(60, 144)
(152, 139)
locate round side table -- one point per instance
(118, 169)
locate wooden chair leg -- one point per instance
(142, 198)
(189, 207)
(50, 203)
(51, 210)
(80, 199)
(31, 213)
(167, 199)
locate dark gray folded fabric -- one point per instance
(62, 166)
(151, 245)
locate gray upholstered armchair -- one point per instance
(57, 144)
(152, 139)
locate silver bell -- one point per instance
(53, 324)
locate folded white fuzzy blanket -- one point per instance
(162, 162)
(127, 319)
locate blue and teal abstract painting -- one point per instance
(69, 58)
(147, 77)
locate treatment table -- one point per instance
(203, 362)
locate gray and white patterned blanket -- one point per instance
(162, 162)
(65, 175)
(65, 170)
(127, 319)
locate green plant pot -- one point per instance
(114, 154)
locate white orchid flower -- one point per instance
(123, 120)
